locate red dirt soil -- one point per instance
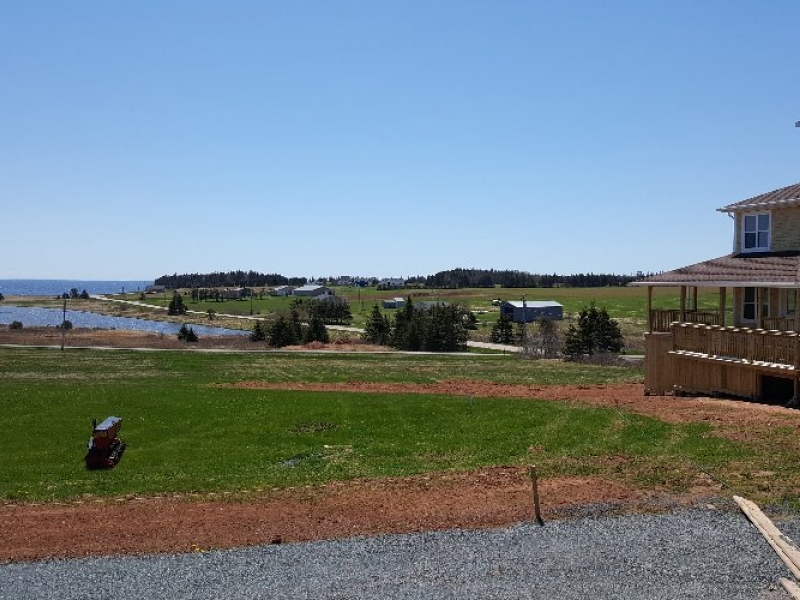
(484, 498)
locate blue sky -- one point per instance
(390, 138)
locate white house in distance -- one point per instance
(283, 290)
(531, 310)
(313, 291)
(391, 283)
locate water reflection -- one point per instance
(35, 316)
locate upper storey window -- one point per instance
(756, 232)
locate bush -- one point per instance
(15, 325)
(378, 328)
(187, 334)
(176, 305)
(259, 332)
(316, 332)
(66, 325)
(596, 333)
(503, 331)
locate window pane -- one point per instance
(750, 294)
(750, 223)
(763, 239)
(749, 312)
(763, 222)
(749, 240)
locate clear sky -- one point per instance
(387, 138)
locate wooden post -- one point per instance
(722, 302)
(535, 487)
(796, 312)
(683, 304)
(694, 298)
(650, 309)
(759, 308)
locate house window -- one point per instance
(750, 302)
(756, 232)
(749, 307)
(789, 302)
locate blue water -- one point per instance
(56, 287)
(33, 316)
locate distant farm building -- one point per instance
(394, 303)
(283, 290)
(532, 310)
(313, 291)
(391, 283)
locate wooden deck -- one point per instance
(712, 359)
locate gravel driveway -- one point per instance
(699, 553)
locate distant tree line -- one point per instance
(229, 279)
(482, 278)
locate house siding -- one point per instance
(785, 229)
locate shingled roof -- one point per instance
(788, 196)
(768, 270)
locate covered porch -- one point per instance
(741, 339)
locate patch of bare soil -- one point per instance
(485, 498)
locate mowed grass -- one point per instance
(186, 434)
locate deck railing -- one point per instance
(661, 319)
(739, 343)
(778, 323)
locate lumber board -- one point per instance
(783, 546)
(791, 587)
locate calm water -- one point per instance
(32, 316)
(56, 287)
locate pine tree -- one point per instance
(503, 330)
(596, 332)
(176, 305)
(259, 333)
(316, 332)
(377, 328)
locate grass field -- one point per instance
(187, 435)
(628, 303)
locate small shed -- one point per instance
(394, 303)
(533, 310)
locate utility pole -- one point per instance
(64, 322)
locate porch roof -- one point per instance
(787, 196)
(762, 270)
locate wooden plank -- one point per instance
(783, 546)
(791, 587)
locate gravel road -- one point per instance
(698, 553)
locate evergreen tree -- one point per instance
(187, 334)
(316, 332)
(377, 328)
(596, 332)
(282, 333)
(503, 330)
(259, 332)
(176, 305)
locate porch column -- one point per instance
(759, 308)
(796, 312)
(694, 298)
(683, 304)
(722, 308)
(649, 309)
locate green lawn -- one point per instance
(187, 435)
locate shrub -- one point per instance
(377, 328)
(66, 325)
(595, 333)
(187, 334)
(176, 305)
(503, 331)
(259, 332)
(15, 325)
